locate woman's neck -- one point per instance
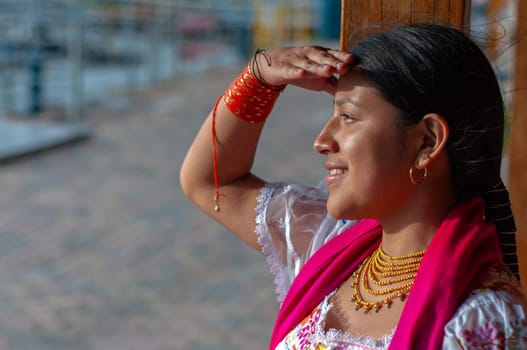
(413, 229)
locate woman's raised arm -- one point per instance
(216, 173)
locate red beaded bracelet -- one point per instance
(248, 99)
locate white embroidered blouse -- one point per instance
(292, 223)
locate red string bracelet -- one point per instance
(214, 158)
(248, 99)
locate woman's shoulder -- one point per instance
(500, 285)
(495, 313)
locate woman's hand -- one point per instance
(310, 67)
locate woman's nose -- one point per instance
(325, 142)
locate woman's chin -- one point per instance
(340, 212)
(336, 212)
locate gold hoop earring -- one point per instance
(412, 178)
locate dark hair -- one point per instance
(429, 68)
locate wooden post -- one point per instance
(359, 16)
(518, 140)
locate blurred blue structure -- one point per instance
(329, 19)
(35, 71)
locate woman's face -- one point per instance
(367, 155)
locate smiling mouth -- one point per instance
(334, 172)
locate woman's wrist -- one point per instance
(255, 69)
(249, 99)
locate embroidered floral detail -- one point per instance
(516, 334)
(302, 336)
(497, 336)
(484, 337)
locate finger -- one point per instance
(317, 69)
(331, 85)
(342, 68)
(339, 60)
(343, 56)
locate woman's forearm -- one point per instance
(236, 143)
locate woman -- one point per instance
(407, 244)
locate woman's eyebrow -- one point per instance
(342, 101)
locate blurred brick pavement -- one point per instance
(100, 250)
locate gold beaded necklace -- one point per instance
(388, 272)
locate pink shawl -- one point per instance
(459, 257)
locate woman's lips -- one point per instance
(334, 175)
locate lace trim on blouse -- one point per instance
(264, 238)
(341, 337)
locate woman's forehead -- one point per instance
(353, 86)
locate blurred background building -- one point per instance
(57, 56)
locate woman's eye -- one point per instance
(347, 116)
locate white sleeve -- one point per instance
(488, 320)
(292, 223)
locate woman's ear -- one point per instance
(435, 133)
